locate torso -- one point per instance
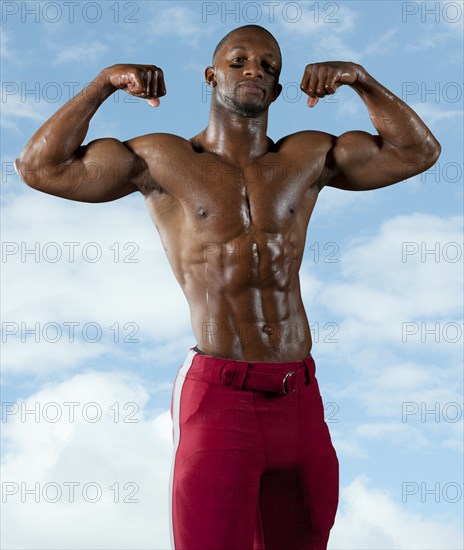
(235, 236)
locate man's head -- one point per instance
(249, 29)
(245, 72)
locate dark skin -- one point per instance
(231, 206)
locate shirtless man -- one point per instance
(232, 209)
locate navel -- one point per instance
(202, 213)
(268, 329)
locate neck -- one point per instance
(235, 137)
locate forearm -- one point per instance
(59, 138)
(395, 121)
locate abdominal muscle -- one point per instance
(245, 299)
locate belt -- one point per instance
(280, 378)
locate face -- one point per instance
(245, 76)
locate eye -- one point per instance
(268, 67)
(237, 62)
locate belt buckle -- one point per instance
(284, 390)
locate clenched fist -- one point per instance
(321, 79)
(144, 81)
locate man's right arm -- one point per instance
(55, 162)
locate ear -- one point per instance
(277, 92)
(209, 76)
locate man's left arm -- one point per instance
(359, 161)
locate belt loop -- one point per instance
(307, 380)
(240, 374)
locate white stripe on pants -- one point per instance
(176, 392)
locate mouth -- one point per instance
(252, 88)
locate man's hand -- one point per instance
(321, 79)
(144, 81)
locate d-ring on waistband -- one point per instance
(245, 376)
(280, 378)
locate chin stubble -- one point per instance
(244, 109)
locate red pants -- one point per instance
(252, 469)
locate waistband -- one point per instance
(280, 378)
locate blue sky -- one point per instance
(381, 278)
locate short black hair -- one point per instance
(228, 35)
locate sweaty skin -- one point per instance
(231, 206)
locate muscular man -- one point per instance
(253, 465)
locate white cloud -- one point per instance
(316, 19)
(113, 450)
(15, 107)
(5, 38)
(455, 440)
(182, 22)
(8, 53)
(388, 290)
(333, 201)
(326, 26)
(383, 45)
(349, 107)
(383, 307)
(410, 406)
(399, 434)
(336, 46)
(178, 20)
(111, 290)
(346, 446)
(401, 390)
(385, 277)
(433, 115)
(87, 55)
(437, 26)
(438, 34)
(369, 519)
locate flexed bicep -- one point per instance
(101, 171)
(360, 161)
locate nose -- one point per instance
(253, 68)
